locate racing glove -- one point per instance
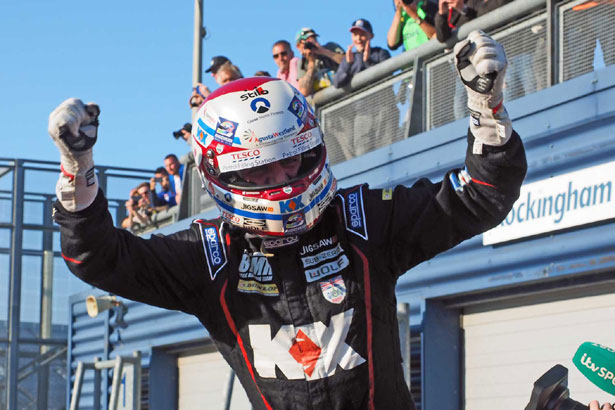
(73, 127)
(481, 64)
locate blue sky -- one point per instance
(134, 58)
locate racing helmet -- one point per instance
(248, 125)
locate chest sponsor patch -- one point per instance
(308, 352)
(214, 249)
(387, 194)
(317, 245)
(255, 266)
(251, 286)
(280, 242)
(321, 256)
(327, 269)
(334, 290)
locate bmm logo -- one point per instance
(254, 93)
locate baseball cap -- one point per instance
(363, 25)
(305, 33)
(215, 63)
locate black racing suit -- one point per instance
(306, 322)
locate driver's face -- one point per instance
(275, 173)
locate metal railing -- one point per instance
(32, 339)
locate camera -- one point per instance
(178, 134)
(135, 199)
(159, 180)
(407, 2)
(309, 46)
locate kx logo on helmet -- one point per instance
(290, 205)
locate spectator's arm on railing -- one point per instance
(343, 75)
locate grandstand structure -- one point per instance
(486, 318)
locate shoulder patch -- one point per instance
(213, 247)
(387, 194)
(354, 214)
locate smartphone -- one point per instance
(159, 180)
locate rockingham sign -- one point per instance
(560, 202)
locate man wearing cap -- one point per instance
(372, 119)
(318, 64)
(365, 56)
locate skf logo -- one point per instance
(254, 93)
(245, 155)
(297, 352)
(290, 205)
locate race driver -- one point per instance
(295, 281)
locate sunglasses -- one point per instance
(280, 54)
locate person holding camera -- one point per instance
(165, 198)
(318, 63)
(138, 207)
(184, 132)
(412, 24)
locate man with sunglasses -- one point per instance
(286, 61)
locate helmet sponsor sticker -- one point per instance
(254, 93)
(334, 290)
(298, 108)
(322, 256)
(265, 289)
(213, 247)
(294, 222)
(225, 131)
(291, 205)
(252, 223)
(282, 148)
(260, 105)
(327, 269)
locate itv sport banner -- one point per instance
(560, 202)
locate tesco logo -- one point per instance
(246, 154)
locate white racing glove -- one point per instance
(73, 127)
(481, 64)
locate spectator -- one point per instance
(412, 24)
(138, 207)
(454, 13)
(365, 56)
(166, 197)
(451, 15)
(175, 171)
(370, 119)
(184, 132)
(286, 61)
(219, 69)
(227, 73)
(318, 64)
(262, 73)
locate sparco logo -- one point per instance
(214, 246)
(254, 93)
(353, 210)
